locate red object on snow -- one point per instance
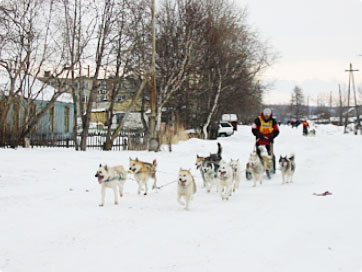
(323, 194)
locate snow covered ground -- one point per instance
(50, 219)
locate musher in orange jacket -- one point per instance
(265, 128)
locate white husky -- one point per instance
(111, 177)
(256, 167)
(235, 165)
(186, 187)
(225, 179)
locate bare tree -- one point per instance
(175, 42)
(27, 46)
(77, 31)
(232, 58)
(127, 57)
(297, 102)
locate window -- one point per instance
(225, 125)
(121, 98)
(66, 119)
(51, 119)
(102, 91)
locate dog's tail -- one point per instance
(263, 152)
(219, 149)
(154, 165)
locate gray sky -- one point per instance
(316, 41)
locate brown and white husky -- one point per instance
(142, 172)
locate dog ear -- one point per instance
(100, 165)
(106, 167)
(136, 159)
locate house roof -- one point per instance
(32, 88)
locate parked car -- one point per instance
(225, 129)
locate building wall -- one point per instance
(58, 121)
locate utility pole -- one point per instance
(340, 106)
(153, 141)
(351, 78)
(308, 109)
(330, 106)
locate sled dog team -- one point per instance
(215, 172)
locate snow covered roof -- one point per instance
(33, 88)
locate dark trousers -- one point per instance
(305, 131)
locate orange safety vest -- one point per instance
(265, 127)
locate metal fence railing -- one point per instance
(127, 140)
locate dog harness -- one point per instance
(265, 127)
(120, 177)
(115, 178)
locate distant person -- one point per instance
(305, 127)
(265, 129)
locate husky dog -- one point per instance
(142, 172)
(111, 177)
(287, 167)
(186, 187)
(212, 158)
(209, 175)
(312, 132)
(235, 165)
(225, 179)
(256, 167)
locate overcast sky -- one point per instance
(316, 41)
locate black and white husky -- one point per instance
(287, 167)
(209, 175)
(205, 162)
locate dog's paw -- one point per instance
(115, 202)
(101, 205)
(145, 194)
